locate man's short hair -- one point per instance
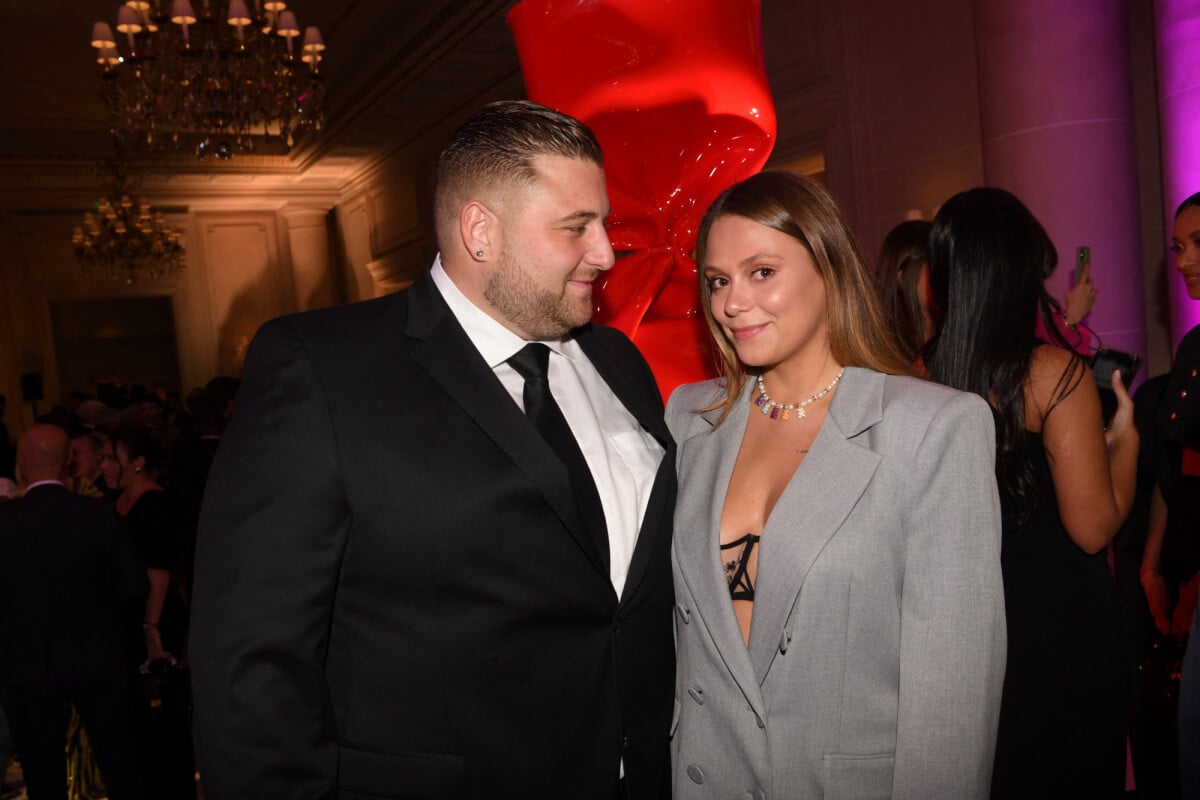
(497, 146)
(95, 439)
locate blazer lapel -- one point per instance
(706, 463)
(813, 507)
(446, 353)
(656, 522)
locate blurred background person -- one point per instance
(902, 276)
(1171, 563)
(84, 467)
(162, 732)
(1066, 485)
(69, 565)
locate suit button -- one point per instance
(696, 774)
(684, 612)
(625, 743)
(616, 627)
(697, 695)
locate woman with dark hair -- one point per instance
(154, 523)
(902, 275)
(1066, 485)
(840, 634)
(162, 731)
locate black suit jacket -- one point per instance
(68, 565)
(394, 595)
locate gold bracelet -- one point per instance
(1074, 326)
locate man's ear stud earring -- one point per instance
(479, 254)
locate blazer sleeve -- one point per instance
(953, 638)
(273, 526)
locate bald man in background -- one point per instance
(71, 563)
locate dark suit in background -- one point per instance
(69, 566)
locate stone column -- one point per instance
(1057, 124)
(312, 269)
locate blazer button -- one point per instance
(625, 743)
(684, 612)
(697, 695)
(696, 774)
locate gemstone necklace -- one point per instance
(780, 411)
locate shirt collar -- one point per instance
(36, 484)
(494, 342)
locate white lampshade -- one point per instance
(102, 36)
(287, 25)
(128, 20)
(313, 43)
(238, 13)
(182, 13)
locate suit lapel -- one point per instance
(447, 354)
(813, 507)
(656, 522)
(706, 463)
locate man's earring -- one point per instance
(479, 254)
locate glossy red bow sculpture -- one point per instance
(676, 92)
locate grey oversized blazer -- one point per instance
(876, 655)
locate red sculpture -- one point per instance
(676, 92)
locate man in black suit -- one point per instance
(406, 587)
(69, 564)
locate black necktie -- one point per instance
(531, 362)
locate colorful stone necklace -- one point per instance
(780, 411)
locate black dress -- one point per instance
(1063, 712)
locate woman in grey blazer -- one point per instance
(840, 616)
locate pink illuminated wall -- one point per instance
(1178, 28)
(1057, 126)
(676, 92)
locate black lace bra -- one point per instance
(740, 586)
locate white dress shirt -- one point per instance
(623, 457)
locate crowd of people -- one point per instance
(453, 545)
(95, 615)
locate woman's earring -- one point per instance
(479, 254)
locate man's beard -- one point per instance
(539, 314)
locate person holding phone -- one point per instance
(1066, 485)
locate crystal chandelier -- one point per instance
(212, 80)
(124, 239)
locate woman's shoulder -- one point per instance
(925, 397)
(704, 392)
(688, 399)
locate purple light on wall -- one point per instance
(1178, 29)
